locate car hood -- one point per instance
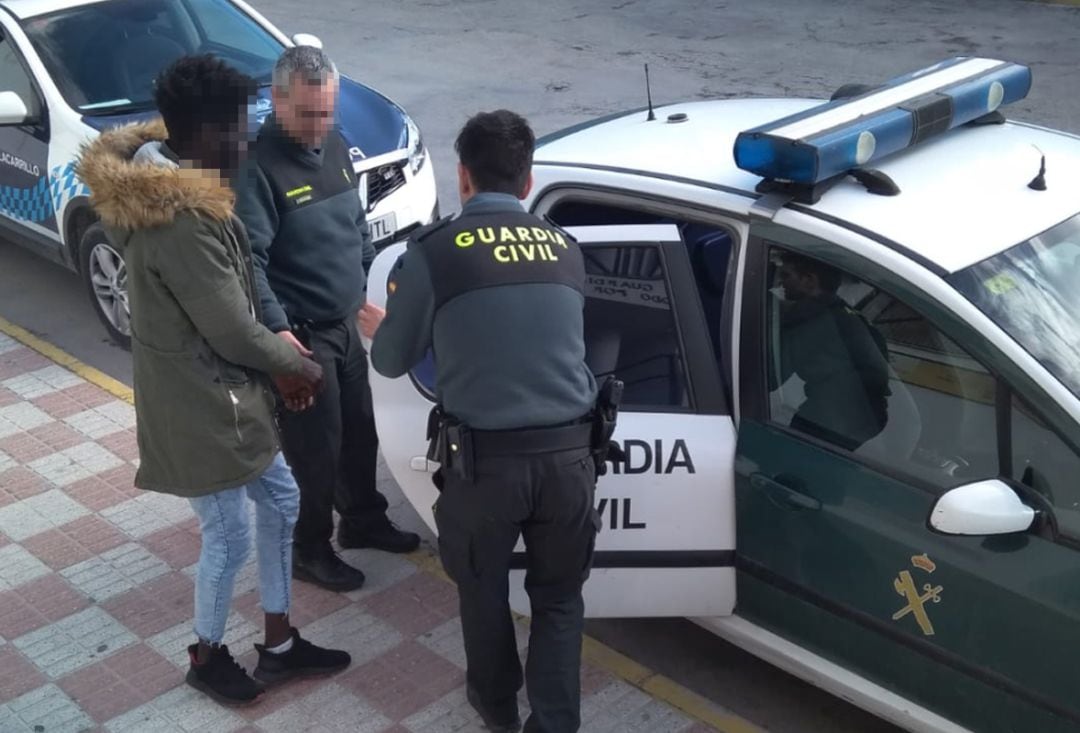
(371, 123)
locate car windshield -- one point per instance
(1033, 292)
(104, 56)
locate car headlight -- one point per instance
(417, 151)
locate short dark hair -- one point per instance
(829, 278)
(497, 149)
(195, 90)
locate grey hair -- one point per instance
(312, 64)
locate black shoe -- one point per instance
(222, 678)
(324, 568)
(303, 659)
(386, 537)
(507, 722)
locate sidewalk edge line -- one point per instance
(595, 652)
(95, 376)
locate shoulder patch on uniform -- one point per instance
(424, 232)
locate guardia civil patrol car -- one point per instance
(71, 68)
(761, 270)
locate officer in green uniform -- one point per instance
(498, 295)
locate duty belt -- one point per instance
(455, 446)
(532, 440)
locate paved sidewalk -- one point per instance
(96, 599)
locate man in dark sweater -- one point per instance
(312, 250)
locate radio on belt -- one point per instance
(805, 153)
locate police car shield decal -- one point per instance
(917, 600)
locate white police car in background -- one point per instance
(930, 574)
(70, 68)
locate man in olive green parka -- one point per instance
(205, 414)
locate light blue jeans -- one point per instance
(226, 541)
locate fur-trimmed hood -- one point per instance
(131, 194)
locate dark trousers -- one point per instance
(549, 499)
(332, 447)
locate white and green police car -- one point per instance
(71, 68)
(852, 411)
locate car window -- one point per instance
(709, 245)
(224, 25)
(630, 329)
(13, 76)
(1044, 462)
(105, 56)
(851, 365)
(1032, 291)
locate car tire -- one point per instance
(105, 277)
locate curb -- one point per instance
(113, 386)
(619, 665)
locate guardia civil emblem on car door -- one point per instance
(906, 586)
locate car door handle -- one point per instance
(783, 495)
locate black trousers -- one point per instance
(332, 446)
(549, 499)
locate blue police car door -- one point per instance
(667, 541)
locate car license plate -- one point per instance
(384, 227)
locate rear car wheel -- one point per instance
(105, 276)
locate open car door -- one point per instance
(667, 544)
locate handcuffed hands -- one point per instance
(298, 391)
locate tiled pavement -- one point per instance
(96, 599)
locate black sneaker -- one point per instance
(326, 569)
(506, 722)
(386, 537)
(303, 659)
(222, 678)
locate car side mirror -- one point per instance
(984, 508)
(307, 39)
(13, 109)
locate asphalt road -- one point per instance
(560, 62)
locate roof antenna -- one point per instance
(648, 91)
(1038, 183)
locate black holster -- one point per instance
(605, 417)
(449, 445)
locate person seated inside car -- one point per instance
(839, 356)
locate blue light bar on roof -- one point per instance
(836, 137)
